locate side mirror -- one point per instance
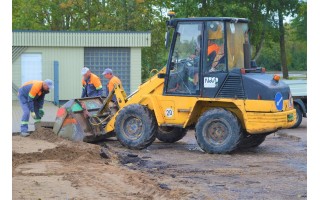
(171, 65)
(167, 36)
(161, 75)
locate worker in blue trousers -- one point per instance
(31, 96)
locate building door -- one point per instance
(31, 67)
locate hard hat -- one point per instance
(84, 71)
(214, 35)
(49, 83)
(107, 71)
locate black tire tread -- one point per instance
(150, 122)
(234, 120)
(299, 113)
(175, 135)
(252, 141)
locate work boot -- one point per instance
(24, 134)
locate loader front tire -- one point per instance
(170, 134)
(135, 126)
(218, 131)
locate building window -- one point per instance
(118, 59)
(31, 67)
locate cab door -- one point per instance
(185, 60)
(183, 69)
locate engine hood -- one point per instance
(263, 86)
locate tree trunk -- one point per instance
(263, 36)
(259, 49)
(204, 8)
(126, 18)
(282, 47)
(89, 14)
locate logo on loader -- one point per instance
(210, 82)
(278, 99)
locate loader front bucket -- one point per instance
(75, 121)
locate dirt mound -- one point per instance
(66, 150)
(61, 153)
(91, 171)
(47, 134)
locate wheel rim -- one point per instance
(132, 127)
(216, 132)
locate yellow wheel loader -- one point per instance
(209, 84)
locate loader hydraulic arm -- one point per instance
(120, 96)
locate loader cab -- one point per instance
(203, 53)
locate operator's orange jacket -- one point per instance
(212, 48)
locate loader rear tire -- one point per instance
(170, 134)
(135, 126)
(218, 131)
(299, 116)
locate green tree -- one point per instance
(299, 23)
(150, 15)
(280, 10)
(296, 49)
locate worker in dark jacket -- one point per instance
(31, 96)
(91, 84)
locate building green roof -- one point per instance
(80, 39)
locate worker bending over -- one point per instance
(31, 96)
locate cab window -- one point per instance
(184, 73)
(215, 57)
(237, 35)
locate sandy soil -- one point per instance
(48, 167)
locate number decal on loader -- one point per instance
(169, 112)
(210, 82)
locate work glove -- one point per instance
(33, 115)
(41, 112)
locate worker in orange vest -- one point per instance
(108, 74)
(91, 84)
(31, 96)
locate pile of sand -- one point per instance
(66, 150)
(45, 134)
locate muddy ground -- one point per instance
(48, 167)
